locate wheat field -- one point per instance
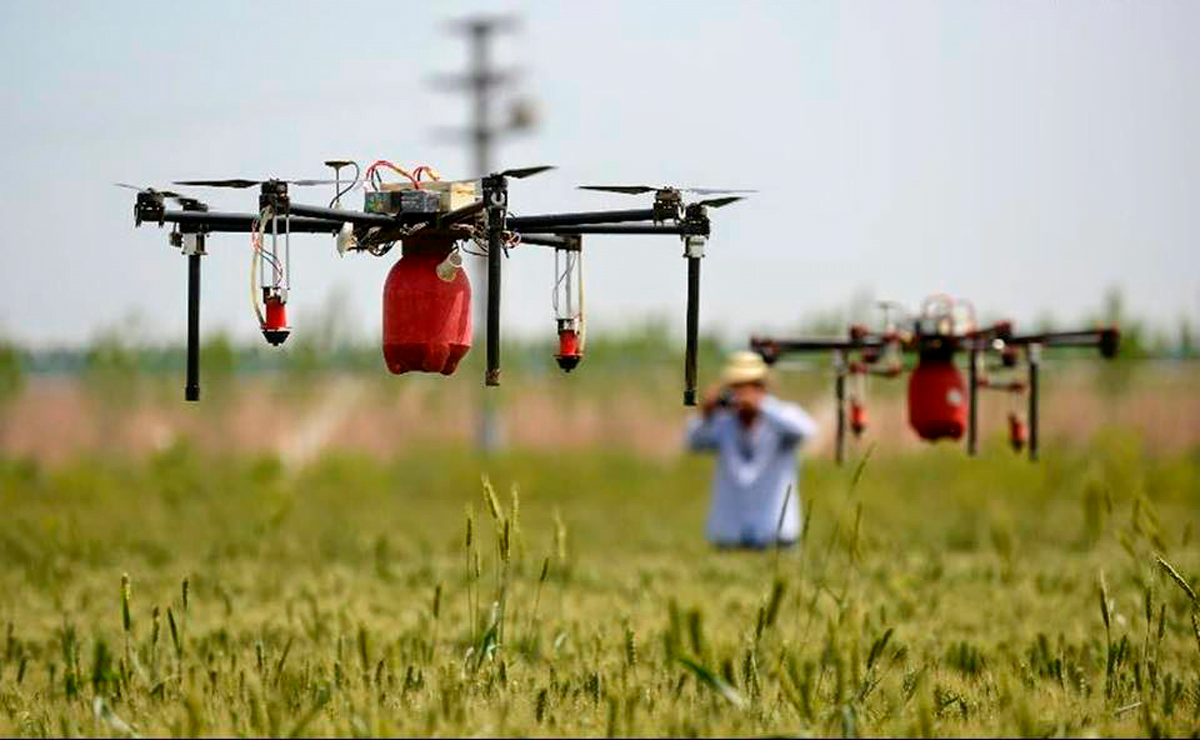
(188, 592)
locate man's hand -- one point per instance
(711, 399)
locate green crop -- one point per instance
(931, 594)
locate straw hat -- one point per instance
(744, 367)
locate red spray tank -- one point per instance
(426, 317)
(570, 350)
(275, 325)
(1017, 435)
(858, 417)
(937, 397)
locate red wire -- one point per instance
(426, 169)
(384, 162)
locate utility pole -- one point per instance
(481, 82)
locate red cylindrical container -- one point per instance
(426, 320)
(1016, 432)
(569, 353)
(937, 399)
(276, 314)
(858, 418)
(275, 326)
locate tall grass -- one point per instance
(355, 596)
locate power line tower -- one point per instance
(481, 82)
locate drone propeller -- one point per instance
(626, 189)
(240, 183)
(520, 173)
(642, 189)
(150, 191)
(717, 191)
(183, 200)
(718, 202)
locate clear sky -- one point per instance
(1027, 155)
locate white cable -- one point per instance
(256, 237)
(582, 323)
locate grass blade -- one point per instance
(1174, 574)
(714, 682)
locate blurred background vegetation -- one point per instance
(119, 358)
(327, 387)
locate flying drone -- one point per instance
(941, 405)
(427, 296)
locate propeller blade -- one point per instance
(640, 189)
(521, 173)
(233, 183)
(626, 189)
(242, 183)
(188, 202)
(152, 191)
(718, 202)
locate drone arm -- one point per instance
(242, 222)
(984, 334)
(339, 216)
(551, 240)
(460, 214)
(1106, 339)
(771, 349)
(550, 222)
(617, 229)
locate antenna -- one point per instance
(337, 165)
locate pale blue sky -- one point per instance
(1024, 154)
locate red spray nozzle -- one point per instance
(858, 417)
(275, 326)
(569, 351)
(1017, 435)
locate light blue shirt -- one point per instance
(755, 469)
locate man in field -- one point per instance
(755, 437)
